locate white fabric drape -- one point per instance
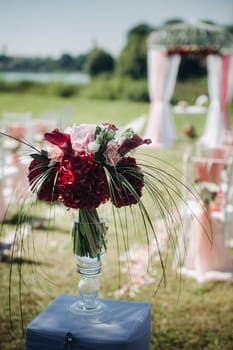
(220, 87)
(162, 74)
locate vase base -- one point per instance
(96, 314)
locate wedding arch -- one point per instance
(165, 48)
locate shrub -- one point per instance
(19, 86)
(65, 90)
(115, 87)
(137, 91)
(104, 87)
(99, 61)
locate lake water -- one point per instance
(70, 78)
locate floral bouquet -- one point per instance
(88, 165)
(83, 167)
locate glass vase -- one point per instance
(89, 244)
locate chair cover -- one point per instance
(202, 250)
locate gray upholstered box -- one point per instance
(55, 328)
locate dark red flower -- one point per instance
(42, 180)
(130, 143)
(66, 176)
(109, 126)
(60, 139)
(89, 186)
(128, 182)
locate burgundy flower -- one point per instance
(42, 180)
(109, 126)
(60, 139)
(130, 143)
(127, 190)
(89, 186)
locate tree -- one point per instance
(66, 62)
(4, 61)
(99, 62)
(81, 62)
(173, 21)
(192, 67)
(141, 30)
(229, 28)
(132, 61)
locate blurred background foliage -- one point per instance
(131, 61)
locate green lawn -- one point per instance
(83, 110)
(185, 315)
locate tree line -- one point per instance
(131, 62)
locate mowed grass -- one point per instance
(82, 110)
(185, 315)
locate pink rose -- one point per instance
(111, 153)
(55, 153)
(81, 136)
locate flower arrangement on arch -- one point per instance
(85, 166)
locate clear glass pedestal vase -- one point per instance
(89, 266)
(88, 305)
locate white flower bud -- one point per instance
(93, 146)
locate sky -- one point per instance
(53, 27)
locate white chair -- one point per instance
(199, 107)
(18, 126)
(201, 251)
(60, 117)
(228, 209)
(6, 172)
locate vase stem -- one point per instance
(88, 305)
(88, 286)
(88, 291)
(89, 267)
